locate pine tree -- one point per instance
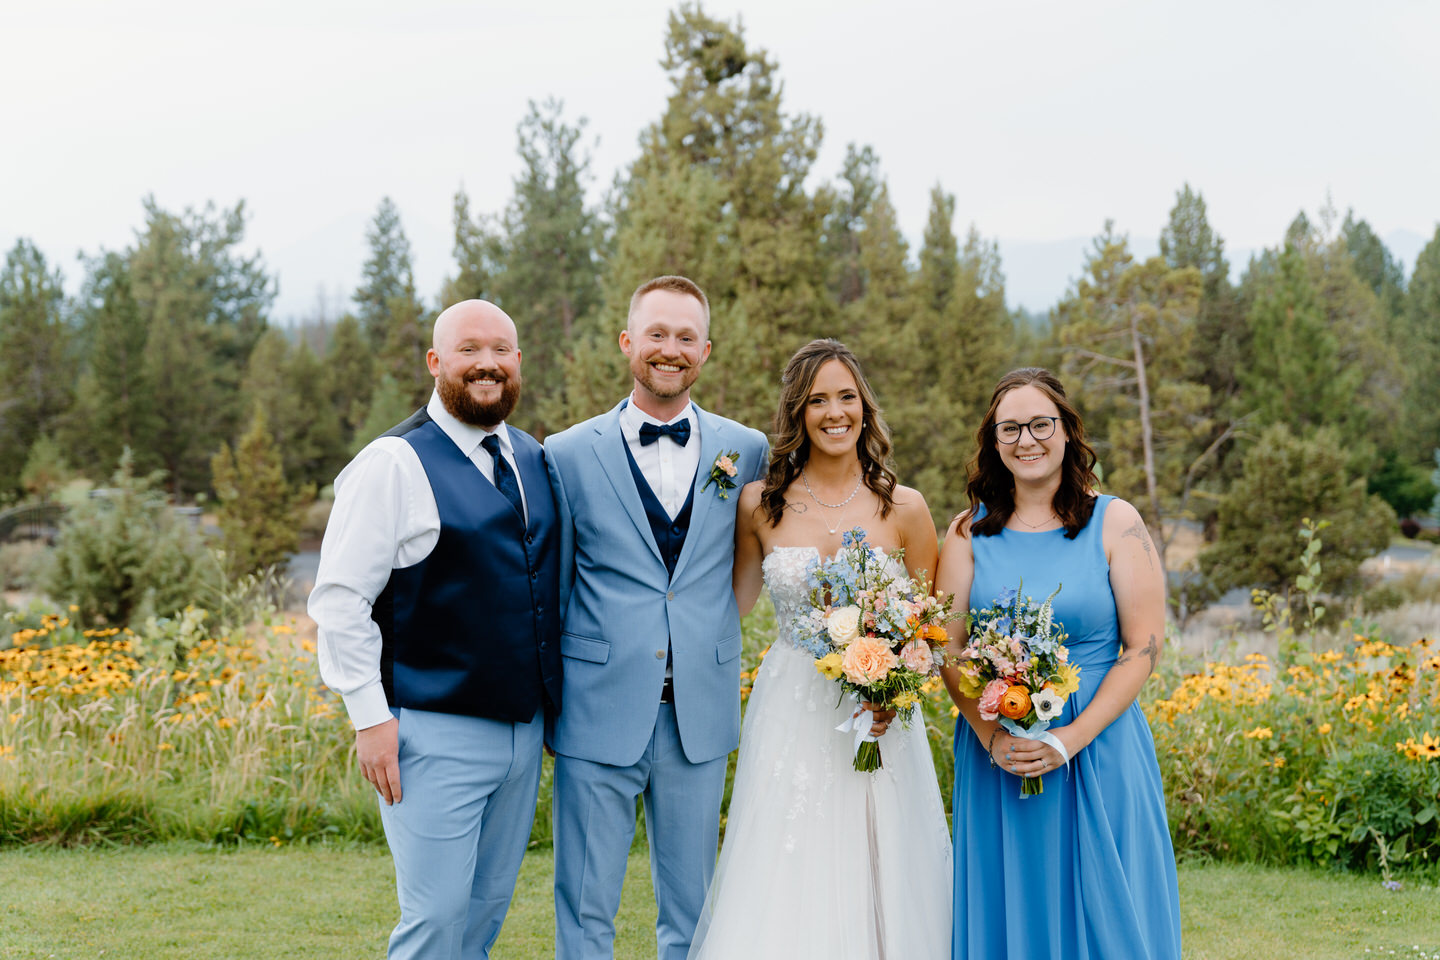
(1286, 479)
(36, 381)
(389, 406)
(1421, 336)
(477, 254)
(550, 282)
(259, 513)
(348, 376)
(180, 310)
(718, 194)
(114, 405)
(1125, 332)
(957, 342)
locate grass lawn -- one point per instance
(189, 903)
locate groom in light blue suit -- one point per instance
(651, 636)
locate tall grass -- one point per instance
(1331, 757)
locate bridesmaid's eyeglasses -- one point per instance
(1041, 428)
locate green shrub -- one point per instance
(123, 556)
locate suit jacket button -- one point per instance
(659, 654)
(670, 595)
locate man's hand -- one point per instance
(378, 748)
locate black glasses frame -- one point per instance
(1028, 425)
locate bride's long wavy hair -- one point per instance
(990, 481)
(790, 444)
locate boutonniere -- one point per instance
(722, 474)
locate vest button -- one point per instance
(529, 539)
(675, 530)
(534, 575)
(659, 654)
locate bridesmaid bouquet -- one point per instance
(873, 632)
(1017, 666)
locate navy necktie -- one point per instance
(504, 476)
(679, 431)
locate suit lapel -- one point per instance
(609, 449)
(712, 444)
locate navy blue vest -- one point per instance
(474, 628)
(669, 534)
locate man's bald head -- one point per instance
(475, 360)
(467, 316)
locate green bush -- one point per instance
(122, 556)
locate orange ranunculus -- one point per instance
(935, 633)
(1015, 704)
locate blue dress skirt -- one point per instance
(1086, 869)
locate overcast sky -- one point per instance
(1044, 118)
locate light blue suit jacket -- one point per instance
(619, 606)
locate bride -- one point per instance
(820, 860)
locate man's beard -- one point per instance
(642, 372)
(467, 409)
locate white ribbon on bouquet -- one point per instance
(860, 723)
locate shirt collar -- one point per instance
(631, 417)
(466, 436)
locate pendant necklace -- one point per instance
(1032, 526)
(831, 506)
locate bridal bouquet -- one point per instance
(874, 633)
(1017, 666)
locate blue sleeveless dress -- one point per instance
(1086, 869)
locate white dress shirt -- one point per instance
(384, 518)
(668, 467)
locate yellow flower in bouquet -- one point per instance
(1067, 679)
(904, 701)
(968, 680)
(829, 665)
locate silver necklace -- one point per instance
(1033, 526)
(831, 506)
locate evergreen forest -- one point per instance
(1236, 400)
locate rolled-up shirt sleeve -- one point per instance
(379, 522)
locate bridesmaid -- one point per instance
(1086, 868)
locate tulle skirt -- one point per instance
(820, 860)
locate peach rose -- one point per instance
(868, 660)
(990, 699)
(1015, 702)
(917, 656)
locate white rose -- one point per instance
(1047, 704)
(844, 624)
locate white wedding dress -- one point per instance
(820, 860)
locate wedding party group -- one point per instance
(483, 598)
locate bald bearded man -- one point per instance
(438, 610)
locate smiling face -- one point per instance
(666, 344)
(833, 410)
(475, 360)
(1030, 461)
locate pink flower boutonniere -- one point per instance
(722, 474)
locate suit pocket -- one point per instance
(577, 647)
(727, 649)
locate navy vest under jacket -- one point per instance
(669, 534)
(474, 628)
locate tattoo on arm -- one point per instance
(1151, 650)
(1139, 532)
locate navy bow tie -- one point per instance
(679, 431)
